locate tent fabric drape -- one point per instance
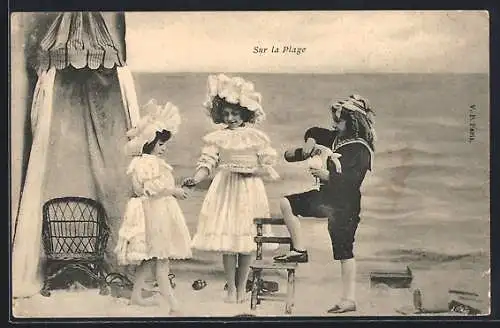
(79, 39)
(129, 95)
(26, 278)
(87, 139)
(27, 29)
(79, 118)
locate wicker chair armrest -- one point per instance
(105, 232)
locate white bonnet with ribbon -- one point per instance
(156, 118)
(234, 90)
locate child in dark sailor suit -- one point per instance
(338, 196)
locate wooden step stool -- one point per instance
(259, 265)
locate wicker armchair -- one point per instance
(74, 234)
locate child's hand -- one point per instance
(179, 193)
(335, 159)
(189, 182)
(322, 174)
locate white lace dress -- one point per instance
(234, 199)
(153, 226)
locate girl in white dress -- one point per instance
(153, 229)
(237, 194)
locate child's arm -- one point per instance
(201, 174)
(208, 161)
(267, 156)
(155, 188)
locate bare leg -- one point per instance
(348, 271)
(244, 261)
(162, 271)
(229, 261)
(292, 223)
(348, 300)
(152, 273)
(140, 280)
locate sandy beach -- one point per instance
(317, 284)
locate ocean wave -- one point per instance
(422, 255)
(449, 121)
(473, 183)
(398, 179)
(405, 151)
(419, 214)
(380, 215)
(414, 144)
(447, 152)
(401, 171)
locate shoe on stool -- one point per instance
(299, 257)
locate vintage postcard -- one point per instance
(225, 164)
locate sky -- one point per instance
(334, 41)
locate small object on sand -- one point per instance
(171, 277)
(393, 279)
(465, 302)
(436, 300)
(433, 302)
(119, 284)
(199, 284)
(430, 301)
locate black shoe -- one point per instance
(269, 286)
(302, 257)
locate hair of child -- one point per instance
(218, 104)
(163, 135)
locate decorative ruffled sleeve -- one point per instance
(146, 178)
(209, 158)
(267, 157)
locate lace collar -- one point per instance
(237, 139)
